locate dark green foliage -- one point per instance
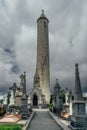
(85, 98)
(2, 110)
(1, 101)
(8, 98)
(51, 99)
(11, 127)
(62, 95)
(72, 97)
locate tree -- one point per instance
(1, 101)
(2, 110)
(8, 98)
(62, 95)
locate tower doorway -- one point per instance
(35, 101)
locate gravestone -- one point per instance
(56, 100)
(24, 107)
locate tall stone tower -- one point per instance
(43, 67)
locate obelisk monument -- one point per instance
(79, 117)
(43, 66)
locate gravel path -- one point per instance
(43, 121)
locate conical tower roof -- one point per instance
(42, 16)
(77, 89)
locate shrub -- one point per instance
(11, 127)
(2, 110)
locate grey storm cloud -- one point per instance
(67, 39)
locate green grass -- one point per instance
(10, 127)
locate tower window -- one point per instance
(44, 24)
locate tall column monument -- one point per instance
(79, 117)
(24, 107)
(43, 66)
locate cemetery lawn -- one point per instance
(11, 127)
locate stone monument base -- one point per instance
(25, 112)
(24, 108)
(78, 122)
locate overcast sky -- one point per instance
(67, 40)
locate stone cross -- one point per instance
(22, 78)
(13, 88)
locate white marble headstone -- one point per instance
(12, 101)
(5, 100)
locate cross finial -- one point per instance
(42, 11)
(24, 72)
(76, 64)
(57, 80)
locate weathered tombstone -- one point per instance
(56, 99)
(12, 100)
(12, 107)
(24, 107)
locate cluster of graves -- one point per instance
(67, 107)
(16, 102)
(62, 101)
(73, 109)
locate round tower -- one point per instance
(43, 67)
